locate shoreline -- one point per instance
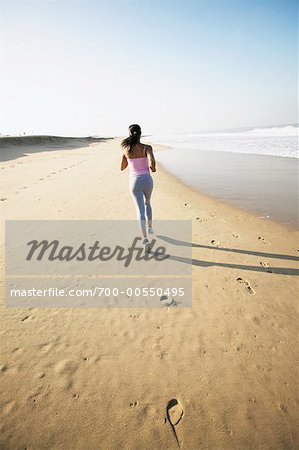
(238, 204)
(104, 377)
(162, 147)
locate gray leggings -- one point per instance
(141, 187)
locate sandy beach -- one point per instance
(104, 378)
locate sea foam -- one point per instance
(277, 141)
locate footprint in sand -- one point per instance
(215, 243)
(2, 199)
(247, 285)
(25, 318)
(133, 404)
(260, 238)
(8, 407)
(174, 414)
(282, 408)
(236, 235)
(3, 368)
(266, 265)
(167, 300)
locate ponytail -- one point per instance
(134, 138)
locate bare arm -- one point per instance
(150, 153)
(124, 163)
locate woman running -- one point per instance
(140, 159)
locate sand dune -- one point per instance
(6, 141)
(219, 375)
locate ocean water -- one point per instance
(254, 169)
(276, 141)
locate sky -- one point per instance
(80, 68)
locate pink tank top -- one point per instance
(138, 166)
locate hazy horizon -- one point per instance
(93, 68)
(152, 134)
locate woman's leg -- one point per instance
(148, 189)
(137, 193)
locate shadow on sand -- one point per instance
(196, 262)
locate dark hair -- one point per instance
(135, 133)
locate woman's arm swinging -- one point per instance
(124, 163)
(150, 153)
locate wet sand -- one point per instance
(265, 185)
